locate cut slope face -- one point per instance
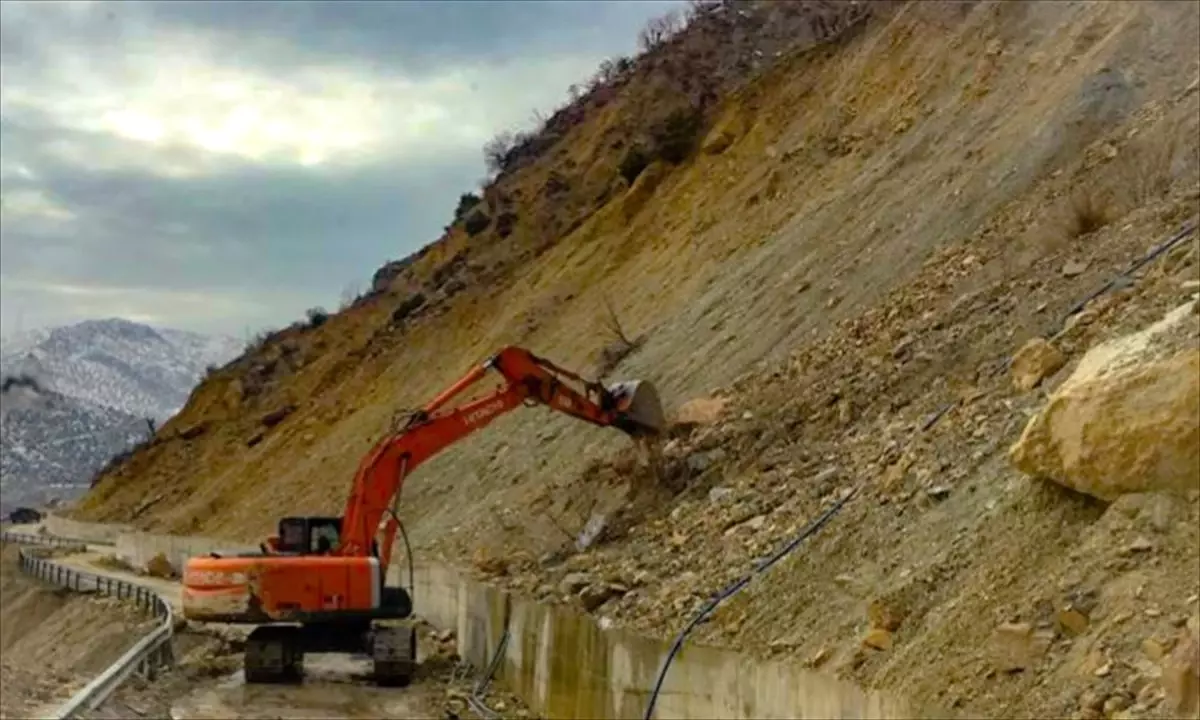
(891, 219)
(931, 126)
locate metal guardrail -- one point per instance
(150, 653)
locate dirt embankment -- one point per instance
(53, 641)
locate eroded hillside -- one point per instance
(53, 643)
(864, 235)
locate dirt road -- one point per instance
(207, 682)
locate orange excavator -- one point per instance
(319, 585)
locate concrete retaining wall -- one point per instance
(88, 532)
(138, 548)
(561, 663)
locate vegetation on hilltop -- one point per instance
(545, 183)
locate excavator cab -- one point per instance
(308, 535)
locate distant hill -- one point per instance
(72, 397)
(118, 364)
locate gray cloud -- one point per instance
(218, 166)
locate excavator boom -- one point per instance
(632, 407)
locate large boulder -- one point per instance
(1128, 418)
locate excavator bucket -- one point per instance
(640, 408)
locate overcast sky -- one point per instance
(222, 166)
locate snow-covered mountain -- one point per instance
(118, 364)
(52, 445)
(72, 397)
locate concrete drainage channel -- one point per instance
(562, 663)
(150, 653)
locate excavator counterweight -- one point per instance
(319, 585)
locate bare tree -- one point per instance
(613, 324)
(496, 150)
(350, 293)
(659, 30)
(620, 344)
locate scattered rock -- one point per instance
(1140, 544)
(818, 658)
(700, 411)
(717, 142)
(572, 583)
(938, 492)
(878, 639)
(1124, 422)
(1072, 621)
(276, 416)
(1074, 267)
(701, 461)
(489, 564)
(1115, 704)
(592, 531)
(1153, 649)
(1034, 362)
(1091, 701)
(718, 494)
(194, 431)
(884, 616)
(594, 596)
(1181, 672)
(1019, 647)
(160, 567)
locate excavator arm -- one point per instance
(633, 408)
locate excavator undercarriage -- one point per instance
(275, 653)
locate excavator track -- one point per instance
(394, 652)
(274, 654)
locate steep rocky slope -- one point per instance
(870, 230)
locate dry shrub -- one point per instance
(620, 345)
(1143, 169)
(1087, 213)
